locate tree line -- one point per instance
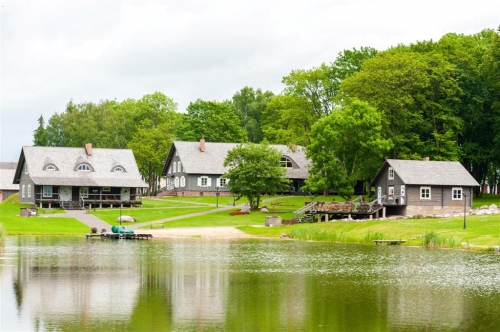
(439, 99)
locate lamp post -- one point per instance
(95, 193)
(465, 209)
(217, 195)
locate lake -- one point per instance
(75, 284)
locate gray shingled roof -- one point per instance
(212, 160)
(66, 159)
(445, 173)
(7, 179)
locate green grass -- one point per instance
(14, 224)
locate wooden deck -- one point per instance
(120, 236)
(389, 242)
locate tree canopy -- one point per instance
(255, 169)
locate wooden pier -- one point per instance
(120, 236)
(389, 242)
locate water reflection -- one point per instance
(68, 284)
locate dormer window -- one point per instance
(50, 168)
(118, 169)
(84, 168)
(286, 162)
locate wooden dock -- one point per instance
(120, 236)
(389, 242)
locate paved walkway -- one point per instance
(84, 217)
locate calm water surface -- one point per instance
(75, 284)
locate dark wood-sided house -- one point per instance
(423, 187)
(196, 168)
(78, 177)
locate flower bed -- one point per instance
(236, 213)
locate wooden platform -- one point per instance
(120, 236)
(389, 242)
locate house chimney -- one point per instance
(88, 149)
(294, 147)
(202, 144)
(426, 159)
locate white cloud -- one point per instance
(55, 51)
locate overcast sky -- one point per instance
(87, 51)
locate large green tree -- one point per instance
(215, 121)
(417, 95)
(255, 169)
(346, 146)
(40, 134)
(249, 105)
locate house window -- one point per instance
(221, 182)
(47, 191)
(106, 189)
(26, 168)
(456, 193)
(170, 169)
(391, 173)
(23, 191)
(183, 181)
(286, 162)
(83, 168)
(29, 190)
(176, 153)
(179, 167)
(390, 192)
(204, 181)
(425, 192)
(403, 190)
(175, 167)
(50, 168)
(118, 169)
(176, 182)
(84, 192)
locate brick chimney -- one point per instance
(88, 149)
(294, 147)
(202, 144)
(426, 159)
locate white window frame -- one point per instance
(23, 191)
(403, 190)
(390, 173)
(179, 167)
(183, 181)
(204, 181)
(29, 190)
(176, 184)
(285, 161)
(459, 193)
(118, 169)
(50, 168)
(221, 182)
(47, 191)
(84, 192)
(425, 193)
(175, 167)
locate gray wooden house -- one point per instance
(196, 168)
(413, 187)
(7, 186)
(78, 177)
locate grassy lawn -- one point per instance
(14, 224)
(446, 232)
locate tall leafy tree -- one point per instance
(40, 134)
(215, 121)
(346, 146)
(417, 96)
(255, 169)
(249, 105)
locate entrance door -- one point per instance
(66, 193)
(125, 194)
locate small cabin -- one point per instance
(424, 187)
